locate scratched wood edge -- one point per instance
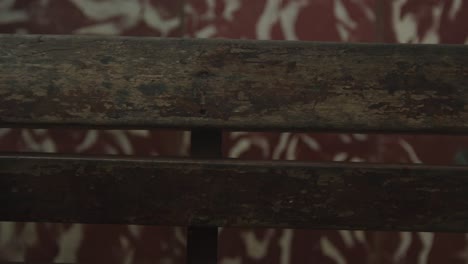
(185, 192)
(232, 84)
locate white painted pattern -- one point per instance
(285, 243)
(115, 16)
(331, 251)
(427, 240)
(403, 247)
(69, 241)
(257, 248)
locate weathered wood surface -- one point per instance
(237, 84)
(233, 193)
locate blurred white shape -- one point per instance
(370, 13)
(68, 243)
(40, 132)
(29, 234)
(360, 236)
(285, 243)
(340, 156)
(7, 232)
(288, 17)
(410, 151)
(186, 141)
(455, 8)
(135, 230)
(291, 150)
(103, 10)
(427, 240)
(9, 15)
(432, 34)
(13, 16)
(154, 19)
(234, 135)
(347, 238)
(403, 246)
(210, 10)
(282, 144)
(257, 249)
(44, 3)
(129, 13)
(310, 142)
(88, 141)
(357, 159)
(267, 19)
(139, 133)
(263, 144)
(331, 251)
(108, 28)
(179, 235)
(345, 138)
(240, 147)
(344, 20)
(342, 14)
(6, 4)
(342, 31)
(46, 145)
(206, 32)
(244, 144)
(231, 6)
(4, 131)
(128, 257)
(122, 140)
(360, 137)
(405, 27)
(463, 254)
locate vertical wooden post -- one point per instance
(202, 242)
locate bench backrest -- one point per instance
(212, 85)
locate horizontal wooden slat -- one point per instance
(235, 84)
(233, 193)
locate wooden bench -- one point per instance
(208, 86)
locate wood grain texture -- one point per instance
(233, 193)
(234, 84)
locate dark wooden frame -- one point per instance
(210, 85)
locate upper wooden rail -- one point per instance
(233, 84)
(233, 193)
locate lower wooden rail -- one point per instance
(188, 192)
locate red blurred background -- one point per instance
(392, 21)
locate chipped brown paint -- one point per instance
(233, 193)
(233, 84)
